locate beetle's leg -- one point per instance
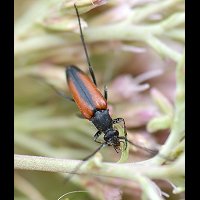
(118, 120)
(106, 92)
(97, 134)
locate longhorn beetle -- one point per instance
(93, 105)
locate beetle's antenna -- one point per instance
(84, 46)
(153, 152)
(83, 161)
(58, 92)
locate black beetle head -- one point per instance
(111, 138)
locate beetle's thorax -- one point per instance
(102, 120)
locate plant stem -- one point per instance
(24, 162)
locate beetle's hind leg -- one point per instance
(106, 92)
(60, 93)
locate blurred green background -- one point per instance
(134, 47)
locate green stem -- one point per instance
(163, 49)
(178, 124)
(142, 13)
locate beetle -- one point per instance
(93, 106)
(91, 103)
